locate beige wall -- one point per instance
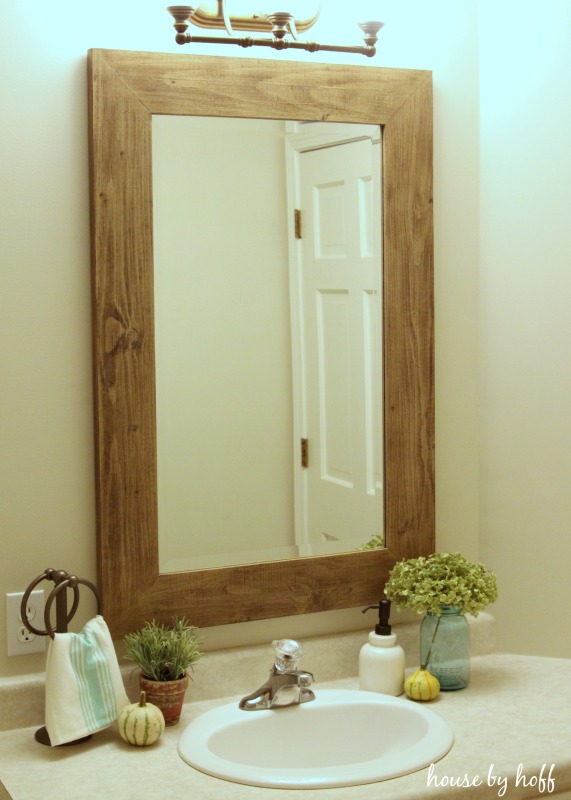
(525, 301)
(224, 393)
(47, 448)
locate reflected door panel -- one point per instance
(342, 307)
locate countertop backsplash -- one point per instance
(238, 670)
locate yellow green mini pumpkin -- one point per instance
(422, 685)
(141, 723)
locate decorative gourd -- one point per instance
(141, 723)
(422, 685)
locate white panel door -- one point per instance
(341, 289)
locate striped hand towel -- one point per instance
(84, 688)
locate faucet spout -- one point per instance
(261, 698)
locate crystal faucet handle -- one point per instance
(288, 652)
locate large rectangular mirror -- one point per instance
(268, 348)
(131, 95)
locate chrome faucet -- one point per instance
(286, 685)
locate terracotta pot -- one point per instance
(167, 695)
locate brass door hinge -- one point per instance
(297, 222)
(305, 453)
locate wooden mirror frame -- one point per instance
(125, 90)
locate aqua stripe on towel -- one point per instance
(84, 688)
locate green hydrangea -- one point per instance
(442, 579)
(373, 543)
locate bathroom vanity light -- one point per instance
(282, 24)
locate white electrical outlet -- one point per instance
(20, 640)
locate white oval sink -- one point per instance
(342, 738)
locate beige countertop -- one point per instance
(516, 711)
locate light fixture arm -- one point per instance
(282, 24)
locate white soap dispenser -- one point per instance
(381, 660)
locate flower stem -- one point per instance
(425, 665)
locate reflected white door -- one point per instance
(341, 290)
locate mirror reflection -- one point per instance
(268, 339)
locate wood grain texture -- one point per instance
(409, 325)
(125, 90)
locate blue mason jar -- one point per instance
(445, 643)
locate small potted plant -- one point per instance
(164, 655)
(444, 587)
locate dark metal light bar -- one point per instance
(281, 25)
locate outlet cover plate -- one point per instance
(20, 640)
